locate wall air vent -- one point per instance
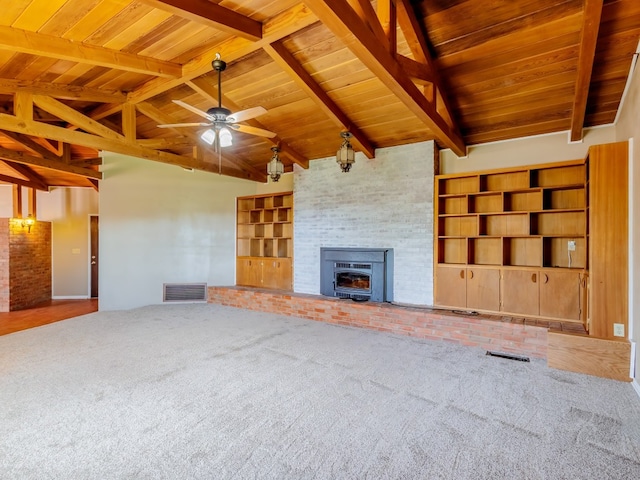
(184, 292)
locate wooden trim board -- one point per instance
(594, 356)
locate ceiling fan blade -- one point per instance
(253, 130)
(247, 114)
(193, 109)
(176, 125)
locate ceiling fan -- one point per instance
(220, 120)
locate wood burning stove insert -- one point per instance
(357, 273)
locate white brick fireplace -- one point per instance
(386, 202)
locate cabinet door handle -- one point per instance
(546, 277)
(534, 278)
(461, 273)
(470, 274)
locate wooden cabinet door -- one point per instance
(561, 294)
(451, 286)
(277, 273)
(249, 272)
(520, 292)
(483, 289)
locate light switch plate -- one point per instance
(618, 330)
(571, 245)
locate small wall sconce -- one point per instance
(28, 222)
(346, 156)
(275, 168)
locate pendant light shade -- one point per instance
(275, 168)
(346, 156)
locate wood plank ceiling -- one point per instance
(81, 76)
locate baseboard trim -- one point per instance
(70, 297)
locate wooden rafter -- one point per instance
(21, 182)
(341, 19)
(305, 81)
(213, 15)
(417, 41)
(64, 92)
(34, 179)
(49, 46)
(25, 159)
(31, 144)
(588, 40)
(209, 91)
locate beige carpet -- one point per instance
(211, 392)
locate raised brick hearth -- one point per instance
(505, 334)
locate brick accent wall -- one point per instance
(25, 264)
(505, 334)
(385, 202)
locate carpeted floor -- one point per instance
(211, 392)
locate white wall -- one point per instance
(386, 202)
(628, 127)
(159, 224)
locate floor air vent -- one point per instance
(509, 356)
(184, 292)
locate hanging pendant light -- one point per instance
(275, 168)
(346, 156)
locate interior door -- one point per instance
(93, 221)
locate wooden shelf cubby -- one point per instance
(512, 225)
(264, 236)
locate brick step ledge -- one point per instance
(520, 336)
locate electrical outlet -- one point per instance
(571, 245)
(618, 330)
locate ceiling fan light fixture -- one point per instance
(275, 168)
(208, 136)
(346, 156)
(226, 140)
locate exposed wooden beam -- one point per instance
(212, 15)
(74, 117)
(21, 157)
(340, 18)
(588, 39)
(49, 46)
(413, 32)
(209, 91)
(64, 92)
(19, 181)
(36, 180)
(17, 201)
(364, 9)
(29, 143)
(387, 14)
(305, 81)
(420, 72)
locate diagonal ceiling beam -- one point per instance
(49, 46)
(74, 117)
(21, 182)
(417, 42)
(36, 180)
(21, 157)
(31, 144)
(207, 90)
(340, 18)
(212, 15)
(588, 40)
(305, 81)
